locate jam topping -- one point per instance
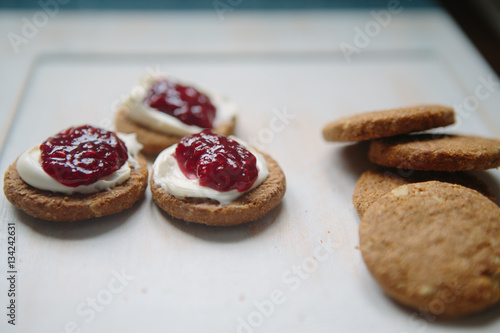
(217, 161)
(82, 155)
(184, 103)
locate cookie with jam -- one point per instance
(162, 110)
(216, 180)
(79, 173)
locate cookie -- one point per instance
(53, 206)
(155, 142)
(436, 152)
(434, 247)
(249, 207)
(378, 124)
(378, 181)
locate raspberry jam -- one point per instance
(217, 161)
(184, 103)
(82, 155)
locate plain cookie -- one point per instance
(378, 124)
(434, 247)
(436, 152)
(378, 181)
(249, 207)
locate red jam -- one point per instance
(82, 155)
(184, 103)
(217, 161)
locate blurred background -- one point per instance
(479, 19)
(302, 62)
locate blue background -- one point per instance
(209, 4)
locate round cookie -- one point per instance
(436, 152)
(155, 142)
(249, 207)
(53, 206)
(434, 247)
(378, 124)
(378, 181)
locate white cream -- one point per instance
(133, 147)
(31, 171)
(140, 112)
(168, 175)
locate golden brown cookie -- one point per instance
(378, 124)
(434, 247)
(378, 181)
(436, 152)
(155, 142)
(53, 206)
(249, 207)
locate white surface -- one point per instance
(192, 278)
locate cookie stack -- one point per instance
(429, 233)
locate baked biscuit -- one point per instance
(53, 206)
(379, 181)
(153, 141)
(436, 152)
(435, 247)
(378, 124)
(249, 207)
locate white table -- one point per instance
(180, 277)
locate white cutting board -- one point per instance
(296, 270)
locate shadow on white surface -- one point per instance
(224, 234)
(355, 158)
(79, 229)
(488, 178)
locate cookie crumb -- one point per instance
(400, 191)
(438, 199)
(426, 290)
